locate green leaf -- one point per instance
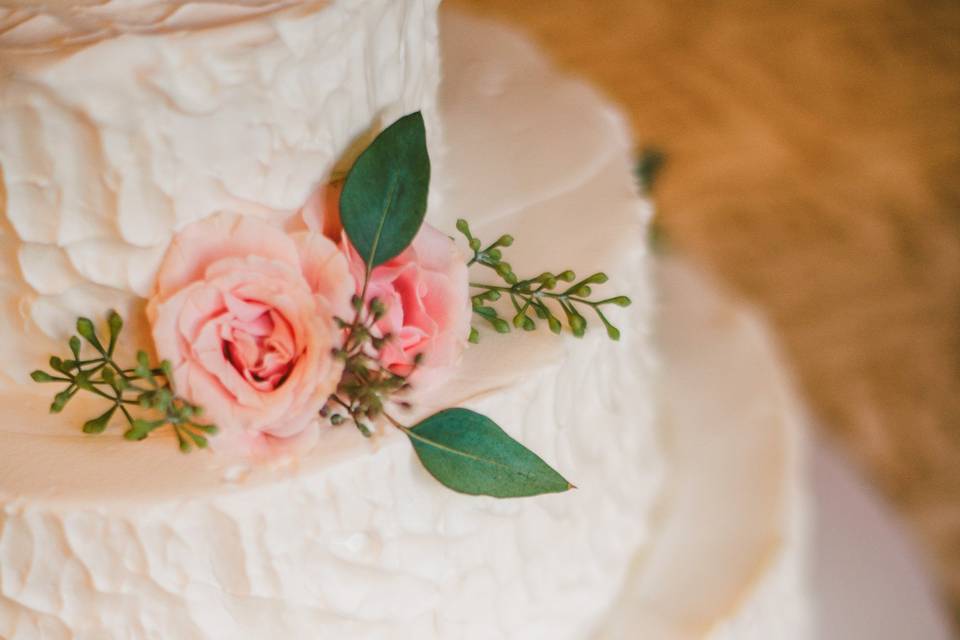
(612, 332)
(209, 429)
(182, 442)
(75, 347)
(167, 367)
(597, 278)
(57, 365)
(620, 301)
(97, 425)
(500, 325)
(41, 376)
(162, 399)
(86, 329)
(199, 441)
(469, 453)
(578, 324)
(61, 399)
(582, 291)
(554, 324)
(115, 324)
(485, 312)
(82, 380)
(384, 197)
(145, 399)
(142, 370)
(140, 429)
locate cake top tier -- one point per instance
(49, 24)
(111, 144)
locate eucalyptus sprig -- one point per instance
(366, 386)
(382, 206)
(142, 393)
(532, 298)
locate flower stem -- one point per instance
(516, 290)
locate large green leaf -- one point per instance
(384, 197)
(469, 453)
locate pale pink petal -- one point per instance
(321, 213)
(326, 271)
(220, 236)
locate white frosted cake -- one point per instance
(124, 124)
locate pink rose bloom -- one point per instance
(424, 289)
(244, 313)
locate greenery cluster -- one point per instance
(382, 207)
(366, 386)
(142, 393)
(533, 298)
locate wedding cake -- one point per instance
(152, 150)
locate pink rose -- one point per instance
(244, 312)
(425, 291)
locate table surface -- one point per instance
(813, 159)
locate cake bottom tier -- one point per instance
(729, 553)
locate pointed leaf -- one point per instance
(182, 442)
(115, 324)
(61, 399)
(140, 429)
(97, 425)
(199, 441)
(620, 301)
(209, 429)
(384, 197)
(86, 329)
(578, 324)
(75, 347)
(142, 370)
(612, 332)
(41, 376)
(469, 453)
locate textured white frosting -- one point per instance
(728, 559)
(103, 538)
(38, 25)
(107, 148)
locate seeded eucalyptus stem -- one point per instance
(144, 386)
(532, 294)
(396, 423)
(532, 297)
(365, 385)
(382, 207)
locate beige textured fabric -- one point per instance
(814, 162)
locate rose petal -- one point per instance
(249, 337)
(217, 237)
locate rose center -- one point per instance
(261, 349)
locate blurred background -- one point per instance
(813, 162)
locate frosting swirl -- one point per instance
(51, 24)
